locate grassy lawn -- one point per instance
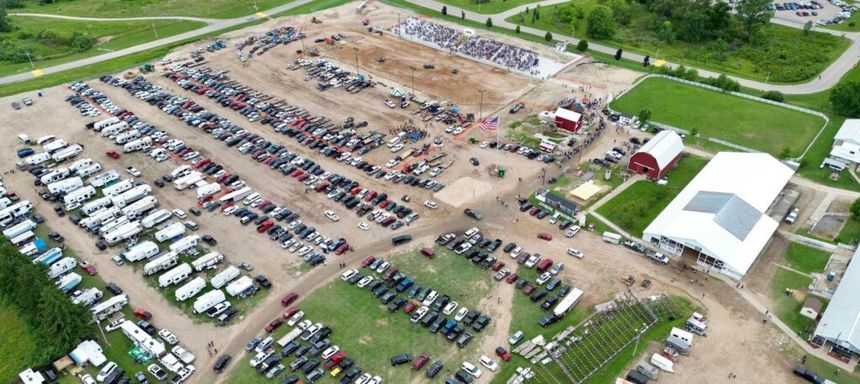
(46, 39)
(16, 345)
(850, 232)
(638, 205)
(714, 114)
(805, 258)
(135, 8)
(487, 6)
(774, 55)
(365, 330)
(788, 307)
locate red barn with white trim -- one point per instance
(568, 120)
(656, 157)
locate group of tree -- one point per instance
(42, 44)
(682, 72)
(845, 98)
(55, 324)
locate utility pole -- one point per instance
(355, 50)
(768, 78)
(154, 30)
(29, 59)
(481, 113)
(413, 79)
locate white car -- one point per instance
(363, 379)
(461, 313)
(331, 215)
(364, 226)
(515, 338)
(390, 104)
(133, 171)
(516, 252)
(105, 371)
(472, 231)
(179, 213)
(418, 314)
(572, 231)
(230, 210)
(485, 144)
(184, 374)
(392, 163)
(543, 278)
(382, 267)
(486, 361)
(449, 309)
(168, 336)
(182, 354)
(330, 351)
(471, 369)
(256, 360)
(304, 324)
(431, 204)
(396, 148)
(575, 253)
(431, 297)
(364, 281)
(348, 274)
(88, 379)
(375, 380)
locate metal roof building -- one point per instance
(719, 217)
(658, 155)
(840, 323)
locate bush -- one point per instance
(845, 99)
(773, 95)
(548, 36)
(582, 46)
(601, 22)
(489, 22)
(517, 29)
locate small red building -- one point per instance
(656, 157)
(568, 120)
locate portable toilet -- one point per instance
(501, 172)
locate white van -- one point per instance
(24, 139)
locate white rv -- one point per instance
(114, 129)
(131, 195)
(81, 164)
(190, 289)
(141, 251)
(160, 263)
(87, 296)
(180, 171)
(185, 244)
(67, 153)
(49, 257)
(65, 186)
(22, 238)
(208, 300)
(104, 178)
(207, 260)
(187, 180)
(19, 228)
(118, 188)
(60, 267)
(89, 170)
(68, 281)
(95, 205)
(54, 176)
(99, 125)
(137, 208)
(171, 231)
(79, 196)
(125, 137)
(108, 307)
(55, 145)
(19, 209)
(137, 145)
(155, 218)
(240, 287)
(175, 275)
(98, 218)
(224, 277)
(112, 224)
(123, 232)
(207, 190)
(236, 195)
(37, 158)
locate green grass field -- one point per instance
(773, 55)
(16, 344)
(487, 6)
(221, 9)
(371, 335)
(713, 114)
(788, 307)
(806, 259)
(638, 205)
(850, 232)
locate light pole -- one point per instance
(154, 30)
(413, 79)
(355, 50)
(481, 110)
(767, 78)
(29, 59)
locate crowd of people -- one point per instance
(473, 46)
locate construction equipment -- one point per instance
(147, 68)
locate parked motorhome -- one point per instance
(123, 232)
(62, 266)
(33, 247)
(155, 218)
(112, 224)
(54, 176)
(55, 145)
(190, 289)
(37, 158)
(79, 196)
(99, 125)
(49, 257)
(175, 275)
(114, 129)
(100, 217)
(241, 286)
(612, 238)
(19, 209)
(17, 229)
(108, 307)
(118, 188)
(568, 302)
(89, 170)
(137, 145)
(141, 251)
(65, 186)
(224, 277)
(187, 180)
(180, 171)
(138, 208)
(95, 205)
(67, 153)
(171, 231)
(22, 239)
(160, 263)
(207, 260)
(104, 178)
(68, 281)
(126, 136)
(185, 244)
(208, 300)
(131, 195)
(81, 164)
(87, 296)
(5, 202)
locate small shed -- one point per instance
(29, 376)
(656, 157)
(811, 308)
(568, 120)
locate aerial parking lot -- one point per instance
(362, 195)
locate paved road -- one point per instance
(828, 78)
(214, 25)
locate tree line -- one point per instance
(55, 323)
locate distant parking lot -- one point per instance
(820, 12)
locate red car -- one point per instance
(367, 261)
(534, 211)
(528, 290)
(289, 298)
(290, 312)
(512, 278)
(498, 266)
(89, 268)
(409, 308)
(427, 252)
(113, 155)
(274, 324)
(297, 173)
(343, 248)
(384, 203)
(265, 226)
(544, 236)
(334, 360)
(390, 273)
(501, 352)
(420, 361)
(142, 314)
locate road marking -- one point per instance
(261, 15)
(37, 73)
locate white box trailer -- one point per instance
(113, 129)
(89, 170)
(661, 362)
(49, 257)
(208, 300)
(99, 125)
(87, 296)
(60, 267)
(99, 217)
(22, 238)
(175, 275)
(96, 205)
(612, 238)
(37, 158)
(55, 145)
(108, 307)
(118, 188)
(54, 176)
(236, 195)
(155, 218)
(568, 302)
(290, 336)
(104, 178)
(123, 232)
(17, 229)
(207, 190)
(68, 281)
(67, 153)
(141, 251)
(138, 208)
(125, 137)
(171, 231)
(81, 164)
(65, 186)
(180, 171)
(240, 286)
(131, 195)
(224, 277)
(207, 260)
(19, 209)
(79, 196)
(185, 244)
(160, 263)
(190, 289)
(187, 180)
(137, 145)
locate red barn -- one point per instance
(568, 120)
(656, 157)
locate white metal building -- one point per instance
(840, 324)
(846, 143)
(719, 217)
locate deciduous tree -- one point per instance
(601, 22)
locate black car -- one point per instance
(208, 239)
(221, 363)
(464, 340)
(434, 369)
(401, 359)
(113, 288)
(263, 281)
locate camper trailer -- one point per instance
(208, 300)
(180, 171)
(171, 231)
(680, 340)
(123, 232)
(65, 186)
(160, 263)
(118, 188)
(54, 176)
(33, 247)
(224, 277)
(131, 195)
(125, 137)
(37, 158)
(207, 260)
(19, 209)
(68, 281)
(55, 145)
(568, 302)
(114, 129)
(22, 239)
(60, 267)
(159, 154)
(67, 153)
(137, 145)
(190, 289)
(104, 178)
(17, 229)
(175, 275)
(49, 257)
(5, 202)
(241, 287)
(99, 217)
(235, 196)
(108, 307)
(137, 209)
(89, 170)
(207, 190)
(155, 218)
(87, 297)
(141, 251)
(95, 205)
(185, 244)
(99, 125)
(79, 196)
(110, 225)
(187, 180)
(81, 164)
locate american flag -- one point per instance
(490, 123)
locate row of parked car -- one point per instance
(523, 150)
